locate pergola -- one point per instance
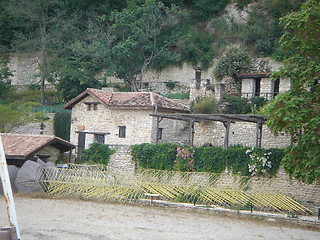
(226, 119)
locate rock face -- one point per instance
(25, 180)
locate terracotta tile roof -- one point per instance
(254, 75)
(25, 145)
(130, 100)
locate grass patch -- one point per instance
(184, 95)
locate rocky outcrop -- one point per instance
(26, 179)
(12, 170)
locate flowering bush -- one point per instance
(259, 163)
(185, 159)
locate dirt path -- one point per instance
(52, 219)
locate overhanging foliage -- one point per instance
(297, 112)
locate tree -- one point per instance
(140, 35)
(75, 76)
(61, 125)
(13, 115)
(297, 112)
(36, 17)
(52, 27)
(6, 26)
(4, 76)
(233, 62)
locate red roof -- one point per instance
(130, 100)
(253, 75)
(26, 145)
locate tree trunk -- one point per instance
(43, 61)
(42, 91)
(141, 77)
(134, 85)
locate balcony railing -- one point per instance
(266, 95)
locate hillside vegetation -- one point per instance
(76, 38)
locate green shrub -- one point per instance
(155, 156)
(50, 109)
(184, 95)
(34, 87)
(197, 49)
(264, 47)
(241, 4)
(171, 85)
(237, 159)
(61, 125)
(204, 105)
(238, 105)
(279, 8)
(210, 159)
(97, 153)
(205, 9)
(233, 62)
(258, 101)
(184, 161)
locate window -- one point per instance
(160, 130)
(122, 131)
(81, 141)
(257, 87)
(276, 87)
(99, 138)
(91, 105)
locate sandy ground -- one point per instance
(56, 219)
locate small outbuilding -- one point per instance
(19, 148)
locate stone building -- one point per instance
(260, 84)
(122, 118)
(19, 148)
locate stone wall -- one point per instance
(53, 152)
(25, 67)
(306, 194)
(181, 74)
(241, 133)
(121, 160)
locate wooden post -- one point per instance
(259, 134)
(157, 130)
(226, 136)
(7, 191)
(191, 132)
(159, 119)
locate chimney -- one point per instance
(109, 89)
(198, 73)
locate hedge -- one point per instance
(239, 160)
(155, 156)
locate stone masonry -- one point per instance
(241, 133)
(306, 194)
